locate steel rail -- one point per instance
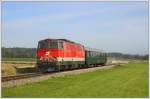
(9, 78)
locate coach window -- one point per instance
(89, 53)
(94, 54)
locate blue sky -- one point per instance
(111, 26)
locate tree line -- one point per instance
(17, 52)
(128, 56)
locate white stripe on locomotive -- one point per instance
(70, 59)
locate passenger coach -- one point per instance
(94, 57)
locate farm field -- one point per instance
(128, 80)
(19, 59)
(9, 64)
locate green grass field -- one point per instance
(129, 80)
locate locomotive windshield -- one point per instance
(51, 44)
(48, 45)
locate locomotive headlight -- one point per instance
(38, 59)
(41, 58)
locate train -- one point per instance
(62, 54)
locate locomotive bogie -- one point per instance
(59, 66)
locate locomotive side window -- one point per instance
(60, 45)
(53, 44)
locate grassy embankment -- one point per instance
(129, 80)
(9, 64)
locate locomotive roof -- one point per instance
(60, 40)
(86, 48)
(93, 49)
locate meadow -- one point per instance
(127, 80)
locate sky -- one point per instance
(110, 26)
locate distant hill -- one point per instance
(18, 52)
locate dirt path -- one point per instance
(44, 77)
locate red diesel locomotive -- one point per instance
(62, 54)
(59, 54)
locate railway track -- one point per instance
(29, 75)
(9, 78)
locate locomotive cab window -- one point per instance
(42, 45)
(51, 44)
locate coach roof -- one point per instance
(93, 49)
